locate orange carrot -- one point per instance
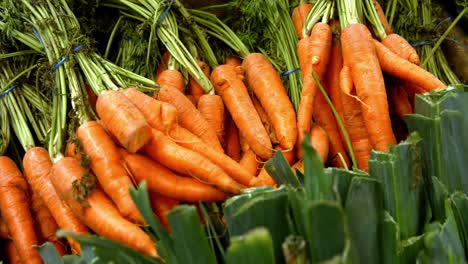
(298, 17)
(249, 159)
(171, 78)
(360, 55)
(264, 179)
(45, 223)
(188, 116)
(185, 161)
(105, 163)
(401, 47)
(332, 74)
(405, 70)
(165, 182)
(158, 114)
(192, 99)
(37, 166)
(14, 209)
(354, 121)
(100, 215)
(194, 88)
(232, 146)
(163, 63)
(401, 102)
(266, 83)
(4, 229)
(299, 165)
(236, 99)
(212, 108)
(233, 60)
(161, 206)
(314, 53)
(123, 120)
(12, 253)
(382, 17)
(320, 141)
(265, 120)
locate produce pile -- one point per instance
(145, 131)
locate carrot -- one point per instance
(212, 108)
(163, 63)
(401, 47)
(14, 208)
(185, 161)
(37, 166)
(165, 182)
(298, 17)
(72, 150)
(12, 253)
(123, 120)
(171, 78)
(232, 146)
(158, 114)
(354, 121)
(405, 70)
(101, 215)
(249, 159)
(105, 163)
(314, 53)
(382, 17)
(194, 88)
(332, 75)
(236, 99)
(266, 83)
(45, 223)
(401, 102)
(161, 206)
(320, 141)
(189, 117)
(185, 138)
(360, 55)
(233, 60)
(299, 165)
(4, 229)
(265, 120)
(325, 119)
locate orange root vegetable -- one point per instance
(401, 47)
(320, 141)
(354, 122)
(45, 223)
(299, 165)
(382, 17)
(185, 161)
(233, 60)
(405, 70)
(189, 117)
(123, 120)
(265, 120)
(360, 55)
(232, 145)
(105, 163)
(4, 229)
(161, 206)
(163, 64)
(298, 17)
(100, 215)
(332, 75)
(212, 108)
(37, 166)
(267, 85)
(165, 182)
(401, 102)
(171, 78)
(14, 209)
(237, 100)
(12, 254)
(194, 89)
(314, 54)
(264, 179)
(249, 162)
(158, 114)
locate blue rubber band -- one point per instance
(163, 15)
(77, 48)
(61, 61)
(448, 19)
(422, 43)
(38, 37)
(286, 73)
(458, 42)
(2, 94)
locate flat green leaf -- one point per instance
(325, 230)
(459, 202)
(254, 247)
(297, 201)
(390, 240)
(437, 195)
(280, 170)
(49, 254)
(341, 181)
(109, 251)
(364, 208)
(410, 248)
(189, 238)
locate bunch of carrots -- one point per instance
(191, 143)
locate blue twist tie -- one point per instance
(448, 19)
(38, 37)
(77, 48)
(163, 15)
(61, 61)
(2, 94)
(286, 73)
(425, 42)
